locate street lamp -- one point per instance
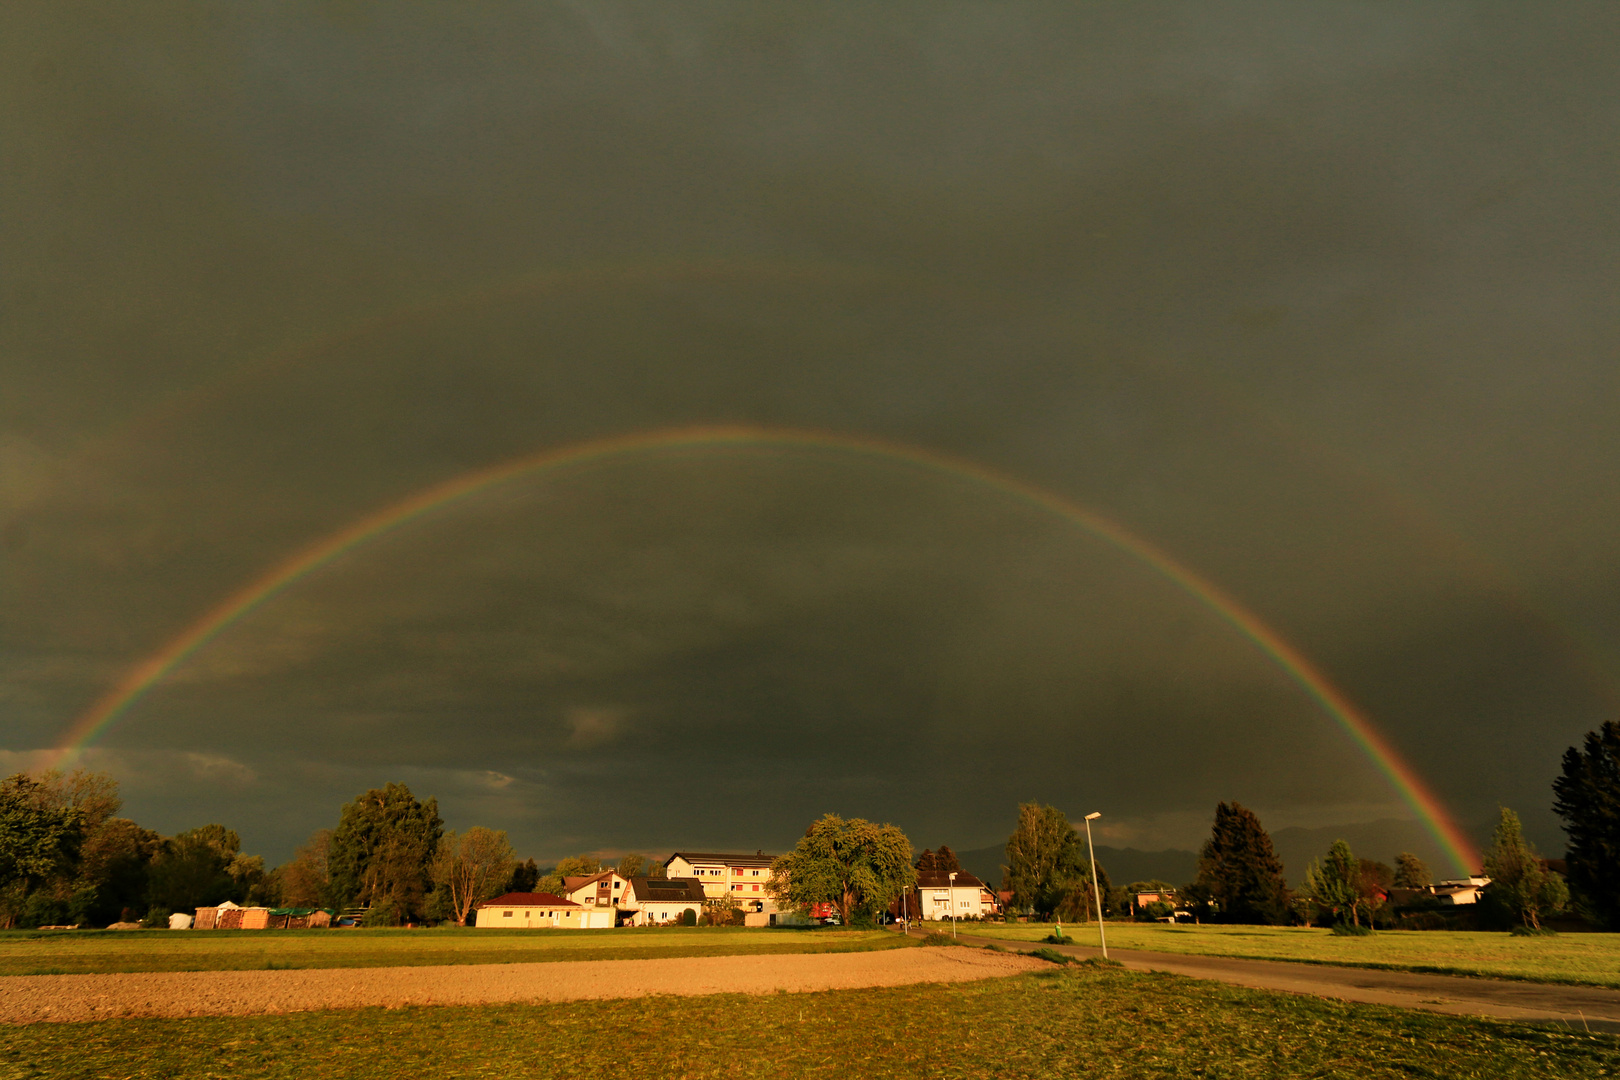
(951, 892)
(1092, 853)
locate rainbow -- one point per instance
(106, 711)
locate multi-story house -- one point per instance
(742, 877)
(595, 890)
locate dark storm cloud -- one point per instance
(1317, 297)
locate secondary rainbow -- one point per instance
(111, 706)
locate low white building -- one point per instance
(661, 901)
(535, 911)
(1460, 890)
(943, 894)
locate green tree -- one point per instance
(381, 852)
(471, 867)
(1334, 884)
(573, 866)
(1522, 889)
(40, 836)
(1588, 799)
(306, 880)
(193, 869)
(1046, 862)
(631, 865)
(1239, 872)
(1410, 872)
(525, 876)
(855, 865)
(658, 871)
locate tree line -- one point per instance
(67, 858)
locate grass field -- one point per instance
(1580, 959)
(34, 952)
(1062, 1023)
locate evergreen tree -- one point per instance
(925, 861)
(1239, 872)
(1522, 889)
(945, 859)
(525, 875)
(1410, 872)
(1588, 799)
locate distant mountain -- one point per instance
(1124, 865)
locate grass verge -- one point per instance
(1065, 1022)
(1568, 959)
(78, 951)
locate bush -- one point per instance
(1532, 931)
(1057, 939)
(155, 919)
(936, 938)
(1052, 956)
(386, 913)
(1352, 930)
(689, 917)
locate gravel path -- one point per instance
(28, 999)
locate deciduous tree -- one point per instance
(1046, 861)
(305, 880)
(1588, 799)
(1410, 872)
(1333, 884)
(1239, 871)
(471, 867)
(1522, 889)
(856, 865)
(631, 865)
(382, 850)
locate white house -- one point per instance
(597, 890)
(661, 901)
(1460, 890)
(943, 895)
(534, 911)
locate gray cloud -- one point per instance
(1318, 298)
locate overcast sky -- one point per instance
(1318, 298)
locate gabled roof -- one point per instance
(572, 883)
(758, 859)
(940, 879)
(528, 899)
(667, 890)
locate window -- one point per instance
(506, 914)
(756, 887)
(737, 887)
(756, 873)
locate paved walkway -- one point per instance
(1581, 1007)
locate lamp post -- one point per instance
(1102, 933)
(950, 891)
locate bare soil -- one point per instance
(28, 999)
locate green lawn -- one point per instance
(1060, 1023)
(33, 952)
(1581, 959)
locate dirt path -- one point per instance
(1579, 1006)
(31, 998)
